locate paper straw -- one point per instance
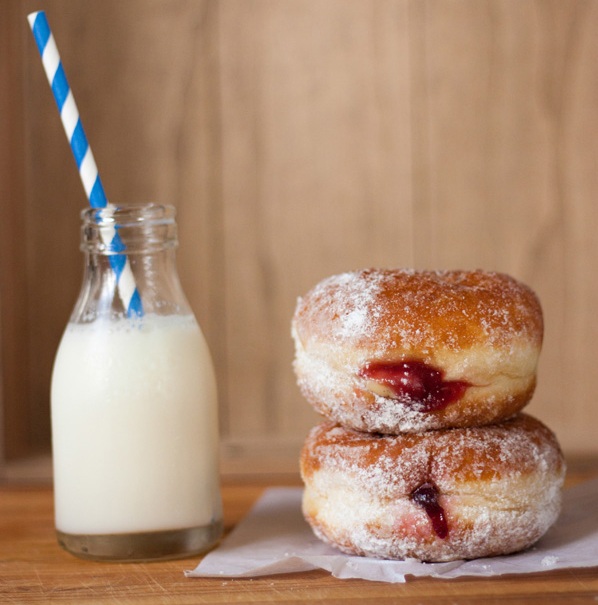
(88, 171)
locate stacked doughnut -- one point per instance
(425, 453)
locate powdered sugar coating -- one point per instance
(479, 327)
(499, 485)
(420, 309)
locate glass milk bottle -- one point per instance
(134, 407)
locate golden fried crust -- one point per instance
(451, 456)
(483, 329)
(499, 487)
(404, 309)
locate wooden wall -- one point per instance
(300, 138)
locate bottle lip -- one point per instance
(129, 229)
(129, 214)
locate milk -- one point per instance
(134, 427)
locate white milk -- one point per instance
(135, 429)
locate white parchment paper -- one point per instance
(274, 539)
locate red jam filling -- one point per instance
(417, 383)
(426, 496)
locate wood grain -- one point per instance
(297, 140)
(16, 421)
(504, 177)
(34, 569)
(314, 177)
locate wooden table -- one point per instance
(34, 569)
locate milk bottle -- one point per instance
(134, 404)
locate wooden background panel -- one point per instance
(565, 261)
(14, 419)
(503, 88)
(577, 165)
(476, 138)
(316, 160)
(303, 138)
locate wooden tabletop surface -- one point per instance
(34, 569)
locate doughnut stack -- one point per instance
(424, 451)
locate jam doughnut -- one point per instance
(434, 496)
(395, 351)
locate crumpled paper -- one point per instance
(274, 539)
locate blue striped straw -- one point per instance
(88, 171)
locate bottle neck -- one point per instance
(130, 268)
(136, 229)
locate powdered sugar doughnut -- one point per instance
(435, 496)
(394, 351)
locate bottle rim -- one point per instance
(129, 229)
(130, 214)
